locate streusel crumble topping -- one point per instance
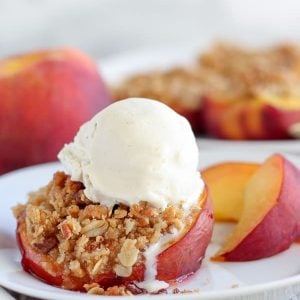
(89, 239)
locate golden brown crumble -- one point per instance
(95, 289)
(90, 239)
(224, 70)
(180, 87)
(248, 73)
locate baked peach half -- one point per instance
(179, 88)
(252, 119)
(227, 182)
(270, 219)
(180, 258)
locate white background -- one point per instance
(107, 27)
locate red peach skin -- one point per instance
(185, 256)
(45, 98)
(284, 120)
(179, 260)
(270, 221)
(252, 119)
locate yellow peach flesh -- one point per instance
(226, 183)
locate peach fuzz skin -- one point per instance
(45, 97)
(270, 220)
(249, 119)
(182, 258)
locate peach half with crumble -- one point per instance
(131, 213)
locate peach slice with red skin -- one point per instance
(226, 182)
(252, 119)
(270, 220)
(180, 259)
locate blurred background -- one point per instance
(35, 89)
(106, 27)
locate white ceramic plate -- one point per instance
(116, 68)
(272, 278)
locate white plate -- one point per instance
(117, 68)
(272, 278)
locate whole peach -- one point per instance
(44, 98)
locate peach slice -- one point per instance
(226, 183)
(270, 220)
(181, 258)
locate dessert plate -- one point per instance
(276, 278)
(117, 68)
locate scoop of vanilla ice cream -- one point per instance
(135, 149)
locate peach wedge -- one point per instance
(270, 220)
(227, 182)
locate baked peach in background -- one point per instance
(230, 92)
(45, 97)
(179, 88)
(257, 95)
